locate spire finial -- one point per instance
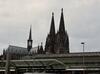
(30, 36)
(52, 13)
(62, 25)
(31, 26)
(62, 10)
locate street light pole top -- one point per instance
(82, 42)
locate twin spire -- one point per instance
(57, 42)
(61, 25)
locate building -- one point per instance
(57, 43)
(17, 52)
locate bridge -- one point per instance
(72, 63)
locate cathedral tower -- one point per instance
(50, 41)
(57, 43)
(29, 41)
(62, 24)
(62, 40)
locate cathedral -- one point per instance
(56, 43)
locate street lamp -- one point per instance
(83, 43)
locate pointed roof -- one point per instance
(52, 28)
(17, 49)
(30, 35)
(62, 24)
(41, 47)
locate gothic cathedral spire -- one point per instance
(52, 28)
(29, 41)
(30, 35)
(62, 40)
(62, 24)
(50, 41)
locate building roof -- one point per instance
(19, 50)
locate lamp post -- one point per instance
(83, 43)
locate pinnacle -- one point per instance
(52, 13)
(62, 10)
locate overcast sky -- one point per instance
(82, 22)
